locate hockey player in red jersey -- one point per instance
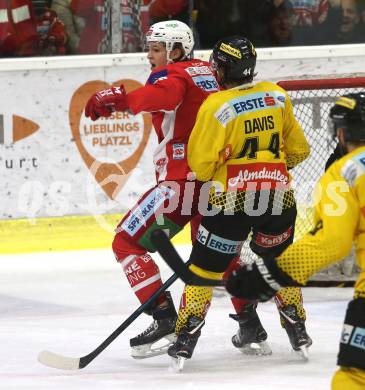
(174, 91)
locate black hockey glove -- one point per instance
(260, 280)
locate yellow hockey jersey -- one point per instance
(339, 222)
(244, 135)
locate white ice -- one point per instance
(69, 302)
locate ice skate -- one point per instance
(251, 337)
(295, 328)
(186, 341)
(157, 338)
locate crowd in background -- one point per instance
(57, 27)
(270, 23)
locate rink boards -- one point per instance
(64, 234)
(59, 169)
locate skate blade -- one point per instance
(177, 364)
(303, 353)
(256, 349)
(146, 351)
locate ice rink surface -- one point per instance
(69, 302)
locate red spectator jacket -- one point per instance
(95, 28)
(52, 37)
(18, 29)
(173, 94)
(309, 12)
(165, 8)
(23, 34)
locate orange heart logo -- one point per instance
(102, 143)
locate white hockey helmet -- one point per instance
(171, 32)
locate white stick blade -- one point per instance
(54, 360)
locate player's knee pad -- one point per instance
(123, 247)
(290, 296)
(213, 252)
(352, 344)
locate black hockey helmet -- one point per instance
(236, 55)
(348, 113)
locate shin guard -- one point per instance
(195, 302)
(291, 296)
(143, 276)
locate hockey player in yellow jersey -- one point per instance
(339, 222)
(245, 138)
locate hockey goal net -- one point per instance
(312, 100)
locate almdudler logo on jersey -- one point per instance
(256, 176)
(110, 147)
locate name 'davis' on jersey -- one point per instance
(259, 124)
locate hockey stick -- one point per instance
(167, 251)
(173, 259)
(61, 362)
(330, 283)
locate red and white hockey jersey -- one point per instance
(18, 32)
(173, 94)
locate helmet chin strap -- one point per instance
(343, 148)
(168, 52)
(219, 75)
(342, 143)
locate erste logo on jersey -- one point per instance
(206, 83)
(248, 104)
(217, 243)
(255, 102)
(354, 336)
(203, 77)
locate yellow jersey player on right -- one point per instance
(339, 222)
